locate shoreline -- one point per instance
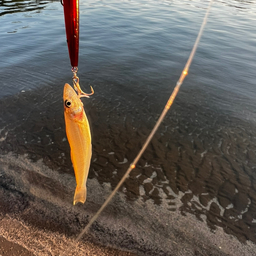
(48, 225)
(188, 237)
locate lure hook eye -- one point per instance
(68, 103)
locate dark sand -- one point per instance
(192, 192)
(12, 249)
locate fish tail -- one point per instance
(80, 195)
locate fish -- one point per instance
(79, 138)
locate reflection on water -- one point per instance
(13, 6)
(238, 4)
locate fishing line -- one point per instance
(159, 121)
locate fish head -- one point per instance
(73, 106)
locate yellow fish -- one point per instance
(79, 138)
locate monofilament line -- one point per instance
(167, 107)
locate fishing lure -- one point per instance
(79, 138)
(71, 14)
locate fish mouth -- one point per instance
(68, 92)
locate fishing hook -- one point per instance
(77, 87)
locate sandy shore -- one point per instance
(20, 239)
(184, 235)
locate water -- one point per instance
(201, 162)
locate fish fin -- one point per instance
(80, 195)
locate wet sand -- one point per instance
(12, 249)
(192, 192)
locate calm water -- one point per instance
(202, 160)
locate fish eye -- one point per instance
(67, 103)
